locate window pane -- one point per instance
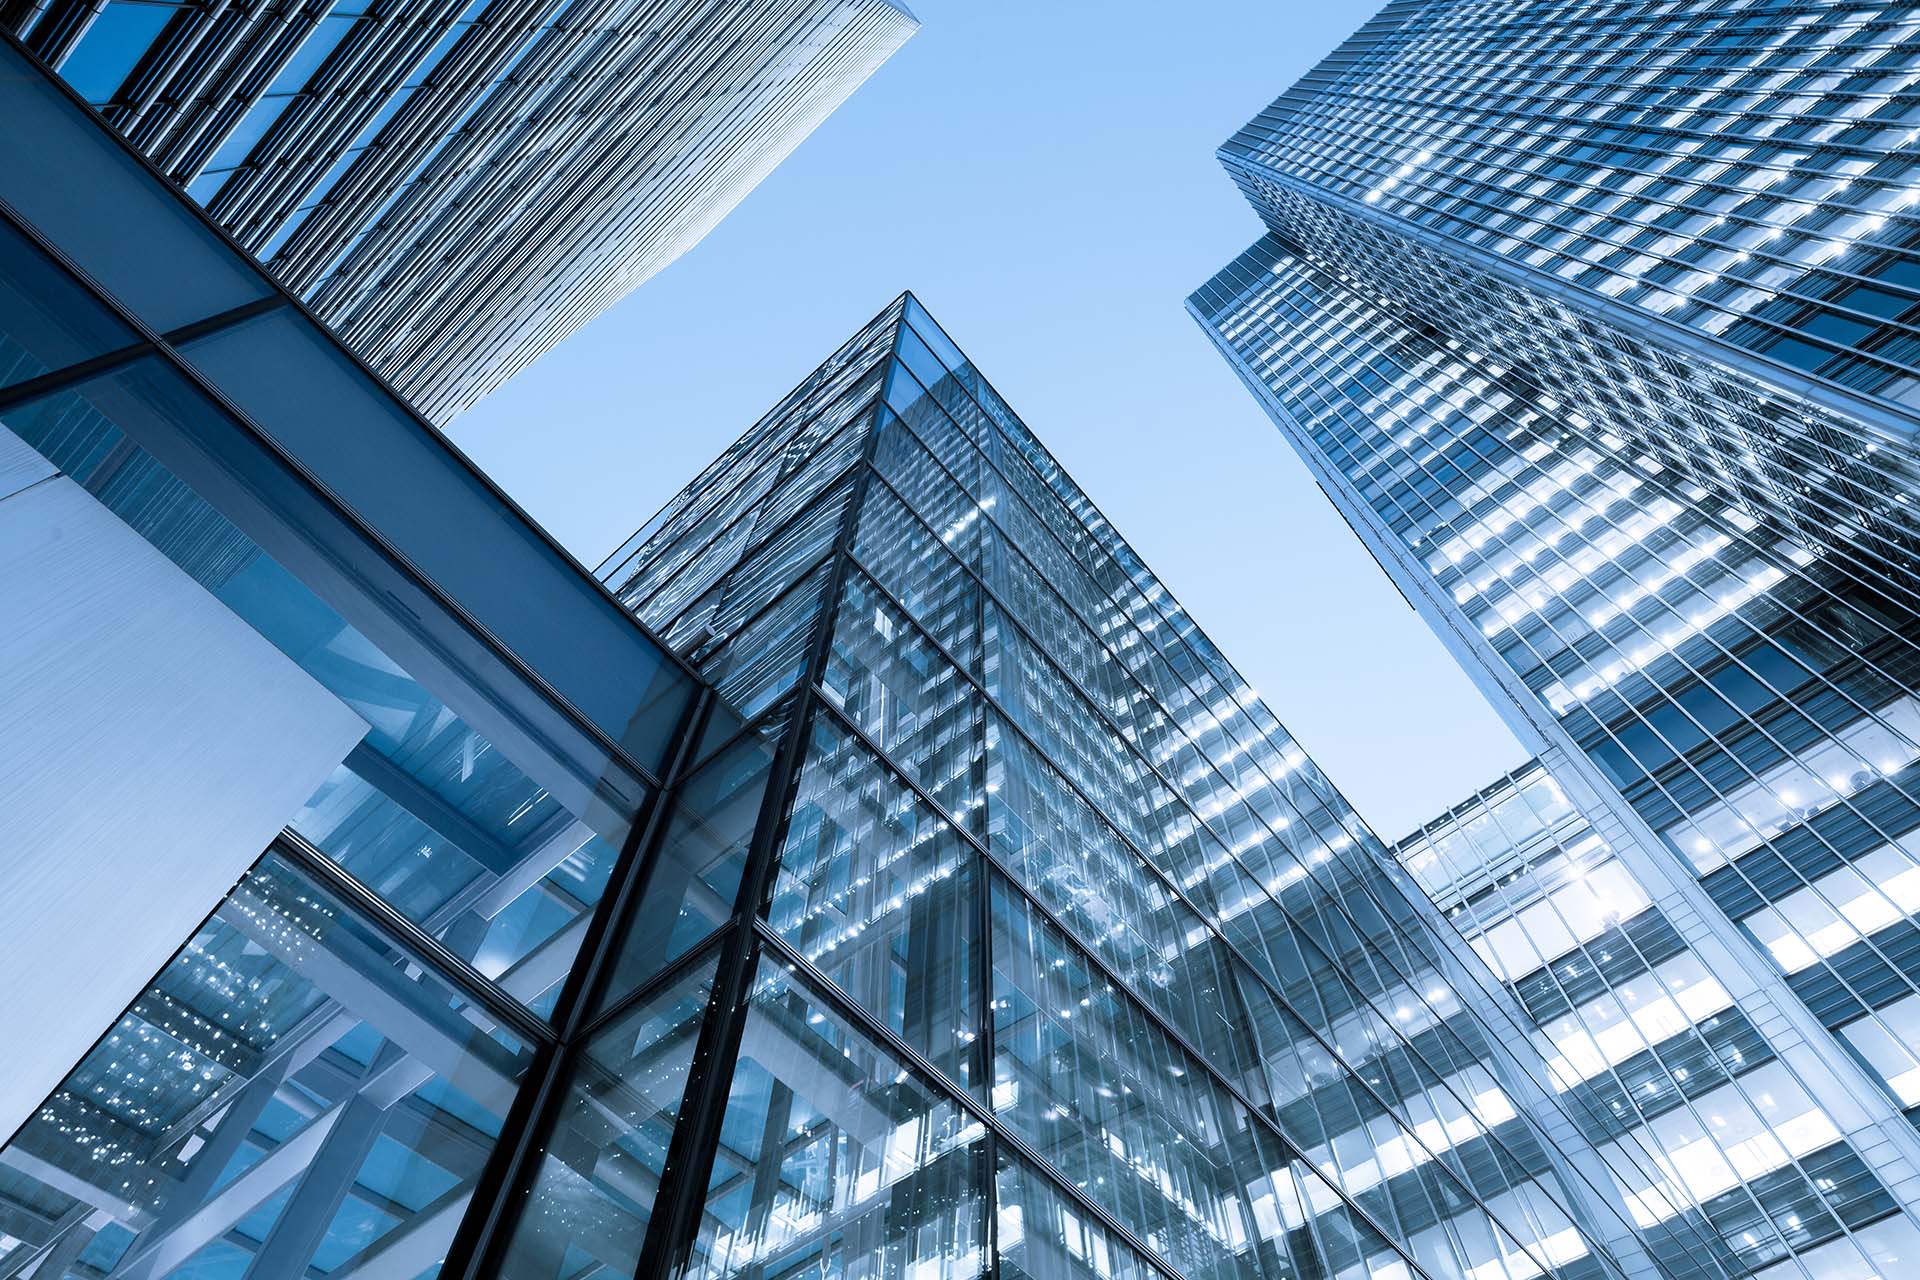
(1114, 1103)
(397, 475)
(426, 810)
(46, 320)
(1046, 1236)
(114, 42)
(834, 1159)
(116, 222)
(588, 1209)
(695, 878)
(878, 893)
(293, 1089)
(893, 683)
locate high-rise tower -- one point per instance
(1134, 989)
(455, 186)
(1595, 323)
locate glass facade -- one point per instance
(912, 891)
(1636, 1022)
(872, 871)
(454, 186)
(1575, 359)
(1029, 942)
(319, 1078)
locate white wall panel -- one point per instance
(151, 745)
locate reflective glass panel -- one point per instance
(1044, 1235)
(834, 1159)
(694, 881)
(46, 320)
(292, 1090)
(878, 892)
(591, 1200)
(427, 810)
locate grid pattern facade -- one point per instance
(1633, 1020)
(1744, 169)
(1720, 688)
(998, 929)
(1553, 302)
(456, 186)
(1664, 216)
(1029, 912)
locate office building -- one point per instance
(318, 758)
(454, 186)
(1648, 1036)
(1119, 984)
(1604, 364)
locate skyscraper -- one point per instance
(1045, 928)
(1653, 1040)
(456, 186)
(1607, 363)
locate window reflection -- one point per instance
(834, 1159)
(292, 1090)
(694, 881)
(593, 1195)
(426, 810)
(879, 892)
(1046, 1236)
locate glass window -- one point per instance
(694, 879)
(323, 410)
(1044, 1235)
(426, 810)
(115, 221)
(903, 556)
(46, 320)
(834, 1159)
(591, 1200)
(1111, 1101)
(894, 684)
(879, 893)
(113, 43)
(293, 1089)
(321, 39)
(385, 847)
(769, 655)
(1889, 1040)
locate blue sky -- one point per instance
(1041, 175)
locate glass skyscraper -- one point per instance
(1594, 322)
(1032, 945)
(454, 186)
(1653, 1040)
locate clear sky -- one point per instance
(1041, 174)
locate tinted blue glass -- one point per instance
(593, 1195)
(370, 452)
(693, 879)
(321, 41)
(114, 42)
(246, 131)
(99, 206)
(301, 1133)
(426, 811)
(46, 319)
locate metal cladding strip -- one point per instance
(552, 155)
